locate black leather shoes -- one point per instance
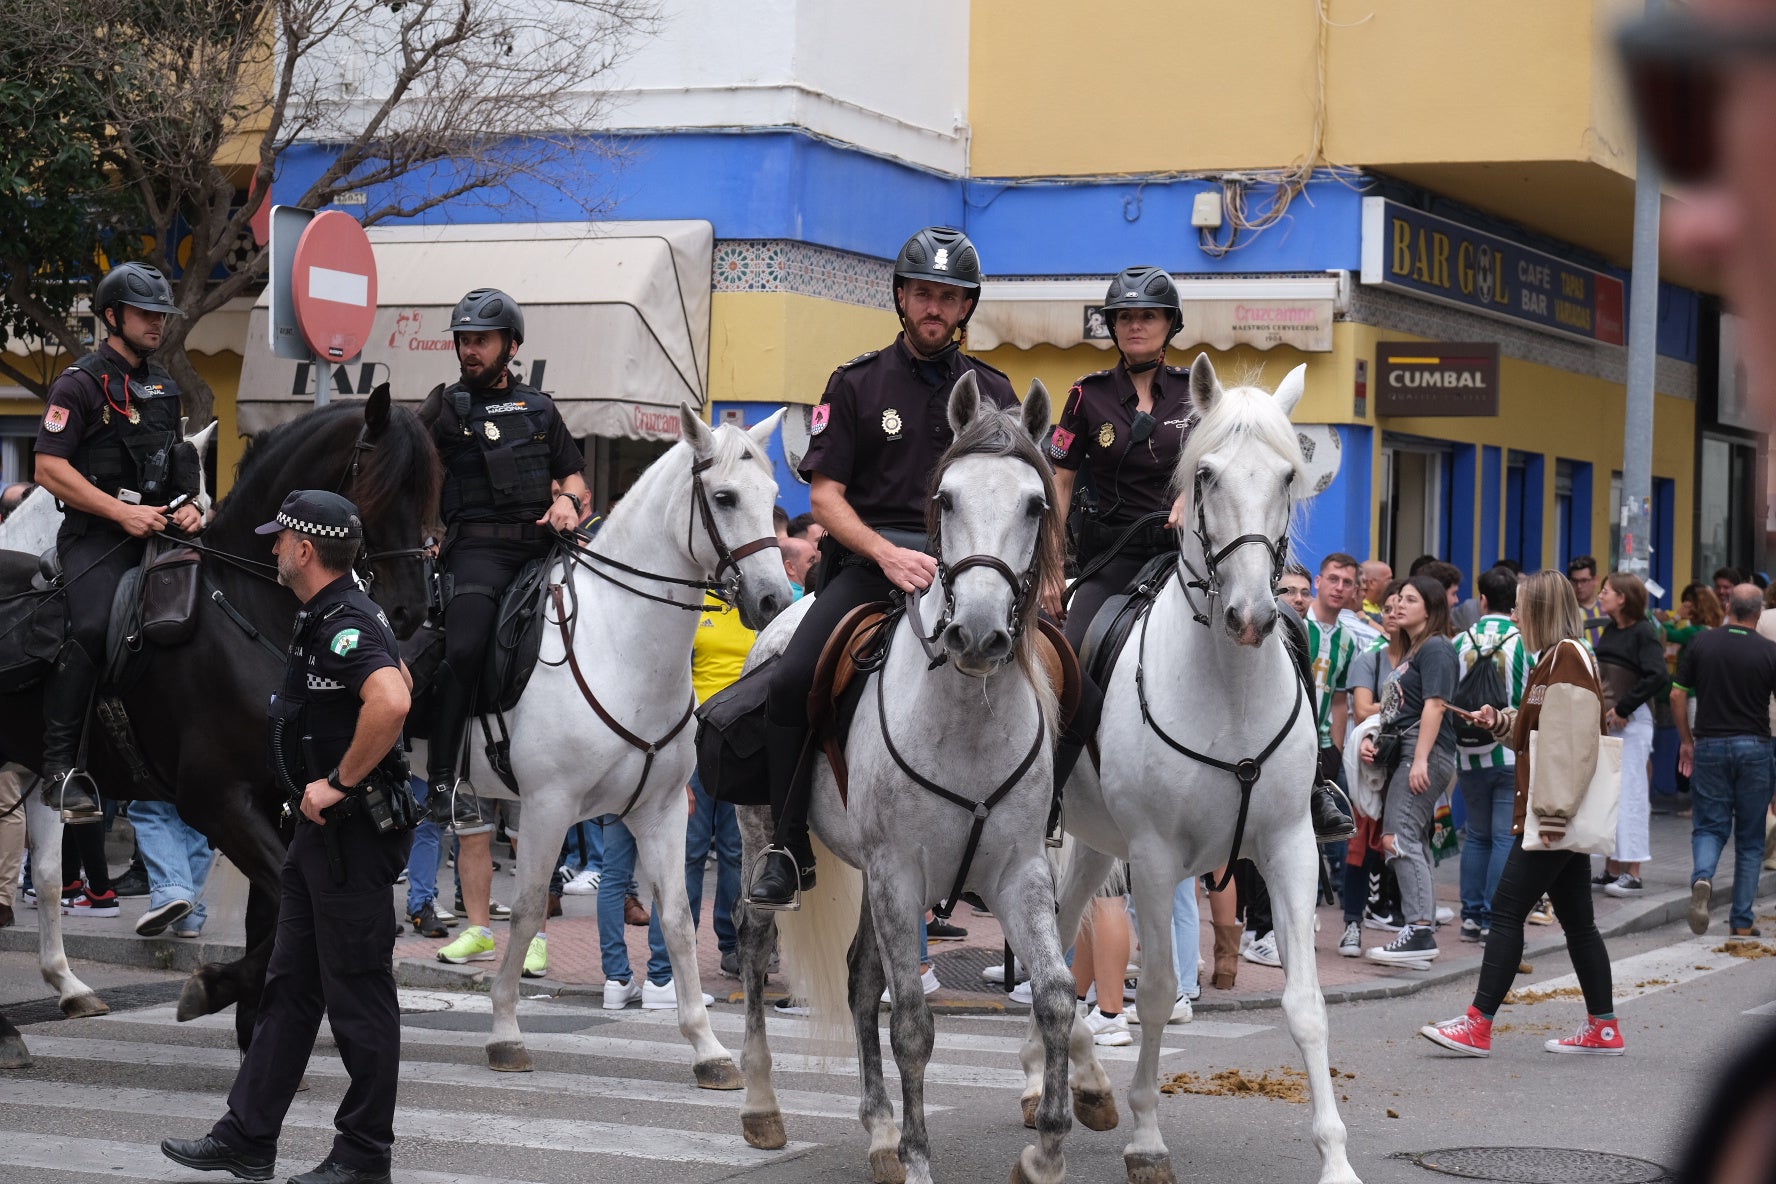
(777, 884)
(1330, 822)
(333, 1172)
(210, 1154)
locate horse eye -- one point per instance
(1035, 507)
(943, 501)
(726, 499)
(1289, 478)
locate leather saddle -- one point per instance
(857, 646)
(1116, 620)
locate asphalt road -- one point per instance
(612, 1098)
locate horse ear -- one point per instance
(761, 432)
(1293, 386)
(964, 401)
(376, 410)
(1038, 412)
(692, 427)
(1205, 388)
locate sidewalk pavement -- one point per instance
(574, 963)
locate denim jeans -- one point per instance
(712, 824)
(1730, 791)
(613, 886)
(1491, 798)
(426, 856)
(1186, 934)
(177, 857)
(583, 847)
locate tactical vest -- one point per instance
(496, 453)
(313, 717)
(140, 455)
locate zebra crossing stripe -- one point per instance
(93, 1159)
(1654, 971)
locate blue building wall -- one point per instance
(1339, 516)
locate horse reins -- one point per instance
(1209, 580)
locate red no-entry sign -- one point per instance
(334, 286)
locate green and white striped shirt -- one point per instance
(1515, 661)
(1329, 651)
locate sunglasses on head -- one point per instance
(1673, 63)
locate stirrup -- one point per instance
(795, 899)
(73, 817)
(463, 800)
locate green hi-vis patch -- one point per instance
(346, 641)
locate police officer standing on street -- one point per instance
(336, 732)
(111, 449)
(512, 473)
(876, 437)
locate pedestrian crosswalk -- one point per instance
(612, 1088)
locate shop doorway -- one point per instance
(1412, 510)
(612, 465)
(1724, 508)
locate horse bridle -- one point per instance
(1208, 581)
(346, 479)
(946, 575)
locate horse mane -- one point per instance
(1240, 411)
(994, 432)
(404, 466)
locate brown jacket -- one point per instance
(1564, 686)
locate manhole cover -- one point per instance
(1542, 1165)
(960, 969)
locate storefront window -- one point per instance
(1724, 506)
(1412, 515)
(17, 434)
(612, 465)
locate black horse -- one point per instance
(199, 710)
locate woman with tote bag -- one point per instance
(1562, 712)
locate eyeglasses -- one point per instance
(1673, 64)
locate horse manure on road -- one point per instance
(1529, 997)
(1747, 949)
(1280, 1085)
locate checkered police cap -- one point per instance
(319, 513)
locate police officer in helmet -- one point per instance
(512, 474)
(876, 437)
(111, 449)
(335, 735)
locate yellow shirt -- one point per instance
(719, 652)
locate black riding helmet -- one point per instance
(943, 255)
(1143, 287)
(135, 284)
(487, 309)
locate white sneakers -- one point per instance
(1182, 1012)
(928, 982)
(1111, 1031)
(583, 884)
(661, 998)
(1263, 951)
(996, 973)
(619, 994)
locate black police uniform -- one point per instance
(879, 430)
(502, 449)
(1098, 431)
(120, 427)
(336, 927)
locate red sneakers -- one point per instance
(1471, 1035)
(91, 904)
(1598, 1038)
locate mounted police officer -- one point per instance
(876, 437)
(336, 735)
(512, 473)
(110, 448)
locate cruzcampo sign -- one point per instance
(1432, 257)
(1436, 378)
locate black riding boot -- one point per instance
(450, 717)
(786, 869)
(1072, 743)
(67, 701)
(1331, 822)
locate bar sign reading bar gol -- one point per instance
(1436, 378)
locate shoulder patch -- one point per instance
(818, 420)
(1060, 443)
(345, 641)
(859, 360)
(55, 419)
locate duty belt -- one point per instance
(510, 531)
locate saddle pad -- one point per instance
(1116, 619)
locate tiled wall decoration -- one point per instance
(779, 265)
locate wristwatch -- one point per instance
(575, 499)
(333, 780)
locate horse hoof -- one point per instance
(1149, 1168)
(1095, 1111)
(764, 1131)
(1030, 1105)
(13, 1053)
(886, 1168)
(508, 1056)
(194, 1000)
(719, 1073)
(82, 1007)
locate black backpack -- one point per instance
(1484, 684)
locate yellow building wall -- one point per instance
(1057, 89)
(781, 347)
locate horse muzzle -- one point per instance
(1250, 624)
(976, 651)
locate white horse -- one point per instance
(960, 701)
(700, 513)
(1205, 671)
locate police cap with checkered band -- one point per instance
(317, 512)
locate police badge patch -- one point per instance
(345, 642)
(1106, 435)
(817, 421)
(55, 419)
(1060, 444)
(490, 430)
(891, 424)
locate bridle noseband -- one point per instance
(728, 590)
(1209, 580)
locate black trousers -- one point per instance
(104, 556)
(474, 566)
(333, 952)
(1090, 594)
(787, 703)
(1565, 878)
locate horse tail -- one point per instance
(815, 942)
